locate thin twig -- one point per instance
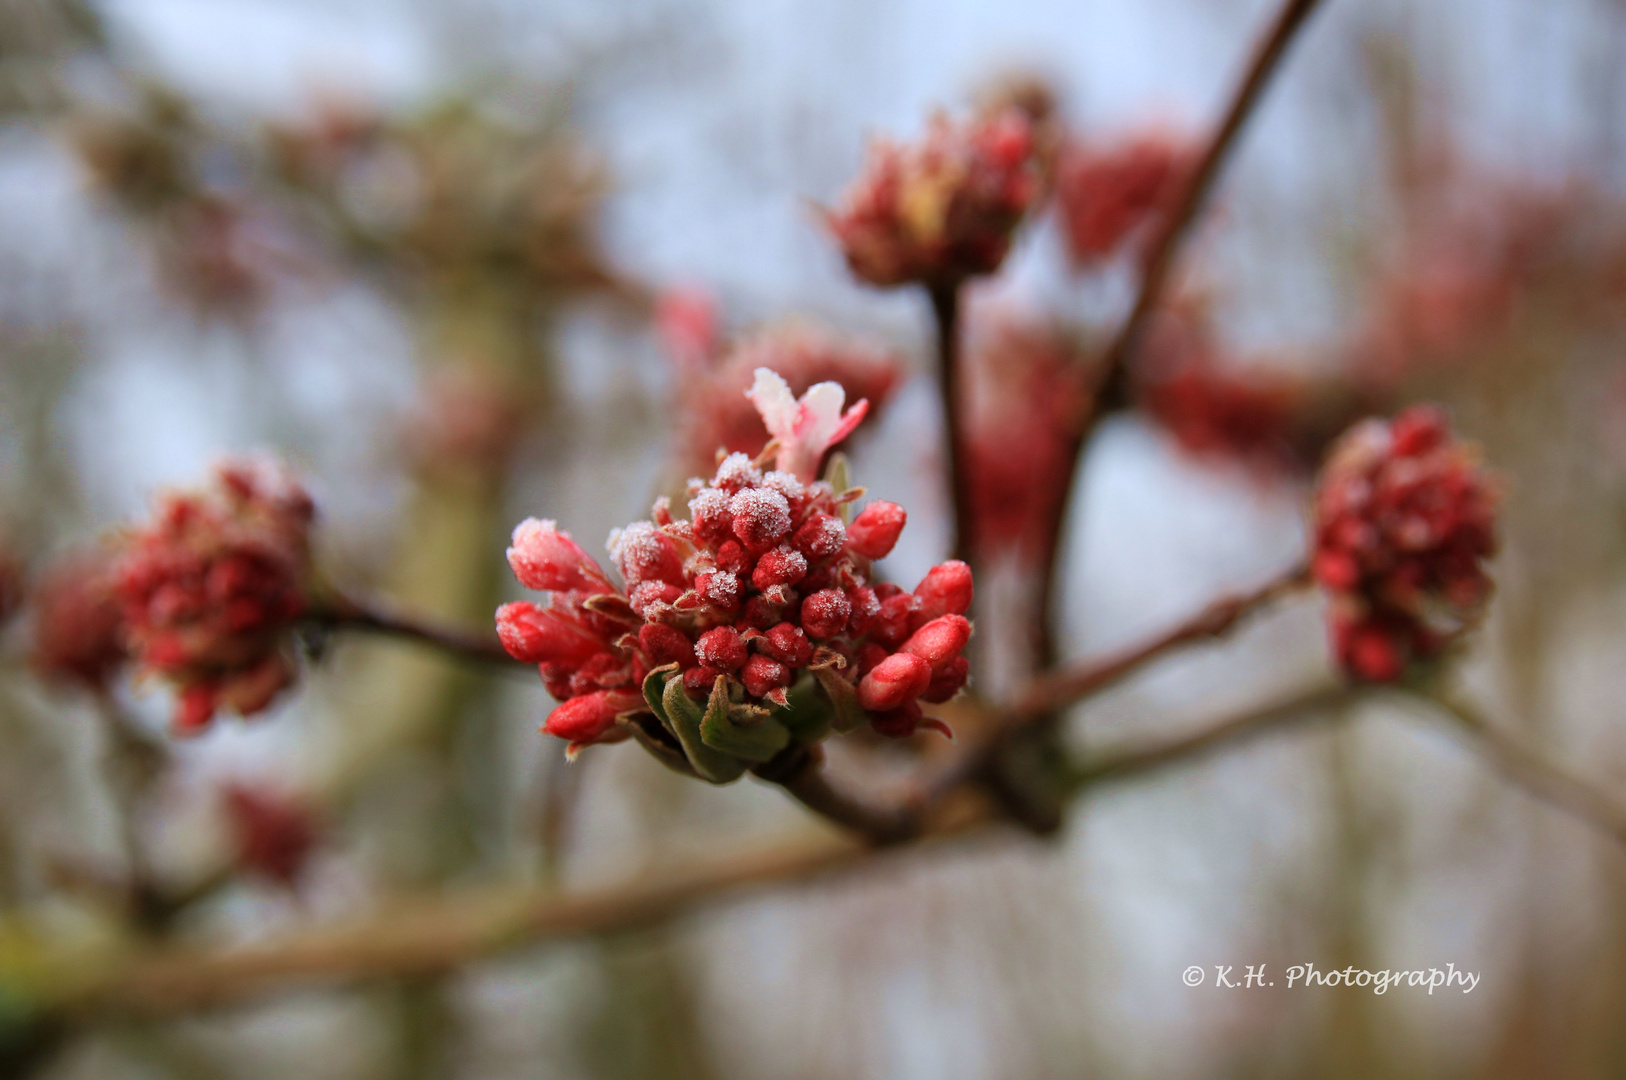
(802, 774)
(1111, 384)
(946, 313)
(1074, 682)
(1527, 770)
(346, 613)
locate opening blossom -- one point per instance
(751, 627)
(943, 209)
(1405, 518)
(804, 428)
(211, 588)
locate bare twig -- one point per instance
(1111, 382)
(346, 613)
(1527, 770)
(802, 774)
(945, 299)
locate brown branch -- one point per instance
(945, 299)
(802, 774)
(1111, 382)
(1537, 777)
(439, 934)
(345, 613)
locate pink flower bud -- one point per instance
(546, 559)
(820, 537)
(874, 532)
(788, 644)
(899, 678)
(948, 681)
(709, 513)
(698, 681)
(587, 719)
(825, 613)
(761, 517)
(898, 613)
(940, 640)
(731, 556)
(664, 645)
(722, 648)
(865, 606)
(643, 553)
(945, 590)
(762, 674)
(781, 566)
(537, 635)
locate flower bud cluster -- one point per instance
(1405, 518)
(763, 584)
(1108, 195)
(943, 209)
(211, 588)
(78, 622)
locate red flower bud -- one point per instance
(664, 645)
(825, 613)
(721, 647)
(940, 640)
(899, 678)
(588, 718)
(821, 536)
(781, 566)
(537, 635)
(545, 558)
(643, 553)
(789, 645)
(945, 590)
(762, 674)
(899, 723)
(874, 532)
(761, 517)
(948, 681)
(698, 681)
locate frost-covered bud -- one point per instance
(761, 518)
(897, 614)
(546, 559)
(939, 641)
(642, 553)
(698, 681)
(820, 537)
(709, 513)
(947, 681)
(763, 674)
(589, 718)
(538, 635)
(945, 590)
(722, 648)
(788, 644)
(663, 645)
(874, 532)
(1405, 518)
(732, 556)
(719, 588)
(782, 566)
(899, 678)
(825, 613)
(865, 606)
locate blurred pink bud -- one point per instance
(539, 635)
(590, 718)
(945, 590)
(899, 678)
(874, 532)
(940, 640)
(947, 681)
(547, 559)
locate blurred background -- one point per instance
(461, 263)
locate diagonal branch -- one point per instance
(346, 613)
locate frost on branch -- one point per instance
(1405, 518)
(211, 587)
(943, 209)
(751, 627)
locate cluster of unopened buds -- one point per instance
(211, 588)
(1404, 520)
(750, 628)
(943, 209)
(1109, 194)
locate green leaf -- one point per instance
(810, 711)
(685, 716)
(654, 687)
(741, 731)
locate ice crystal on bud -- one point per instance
(805, 428)
(943, 209)
(751, 625)
(1405, 518)
(211, 588)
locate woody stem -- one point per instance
(945, 299)
(345, 613)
